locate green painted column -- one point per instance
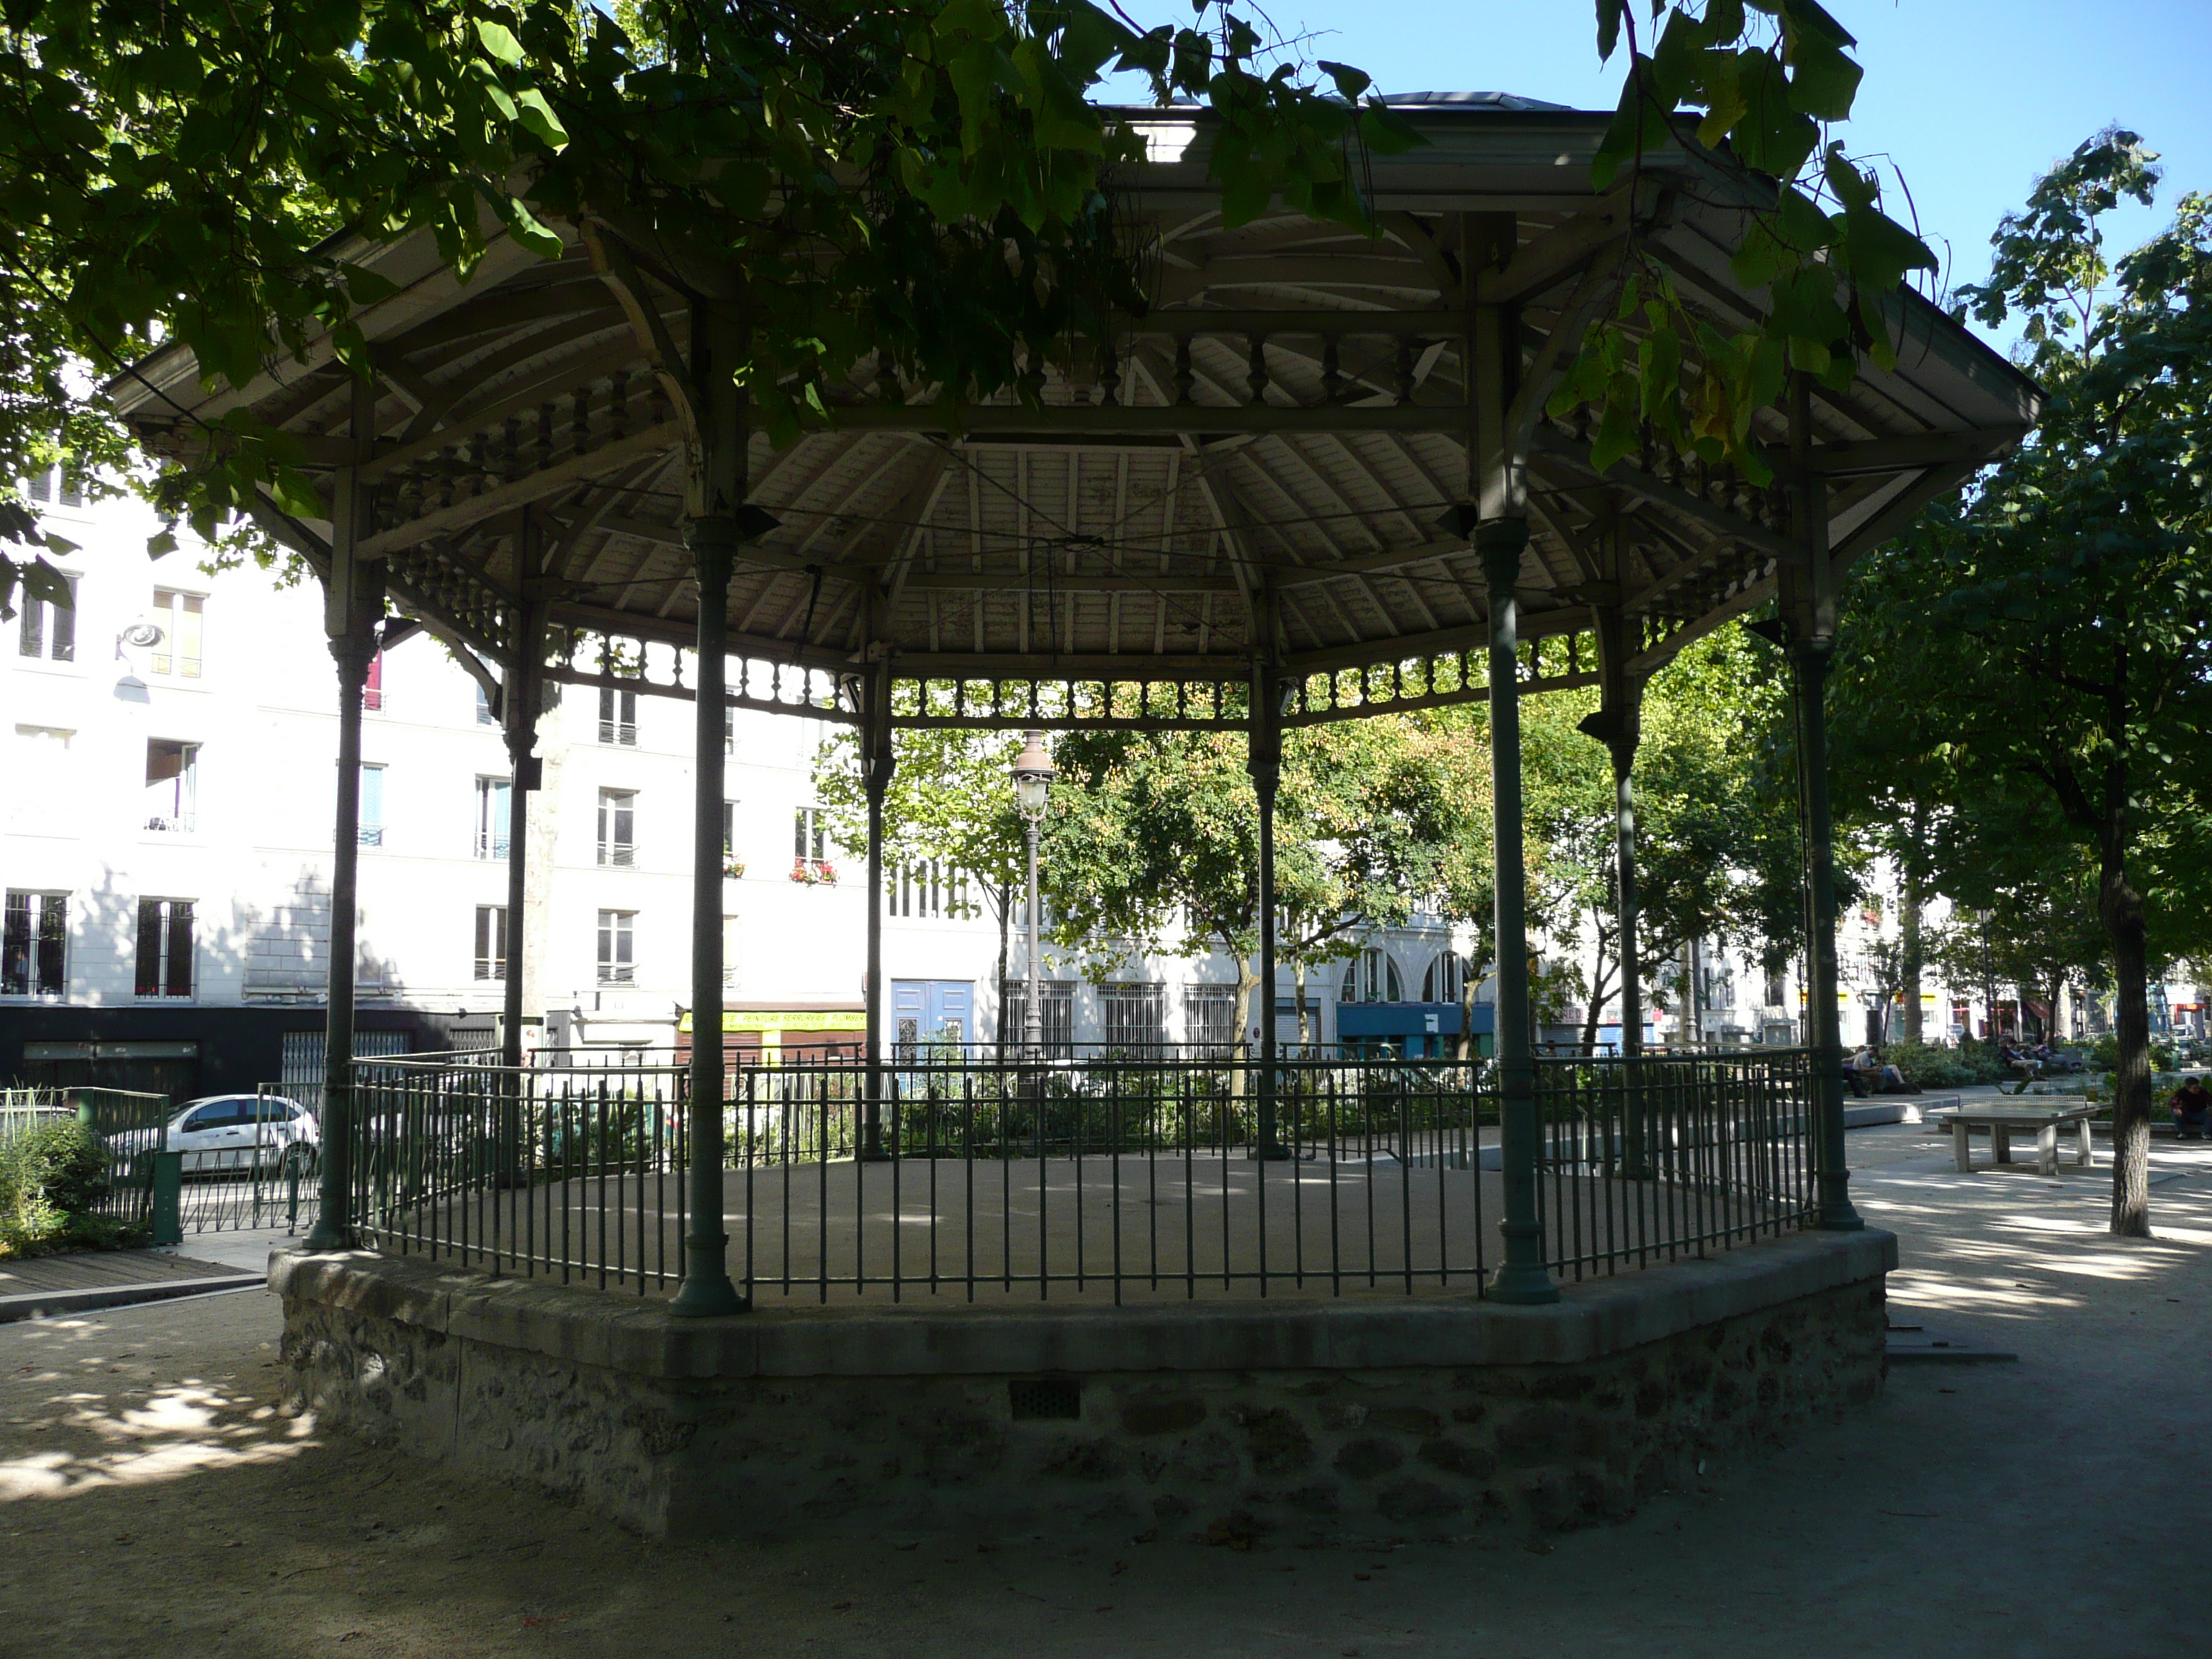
(351, 649)
(352, 614)
(706, 1289)
(1522, 1277)
(1808, 667)
(878, 763)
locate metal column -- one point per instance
(520, 699)
(1522, 1277)
(715, 529)
(1809, 609)
(353, 612)
(878, 763)
(1497, 454)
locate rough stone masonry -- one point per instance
(1432, 1417)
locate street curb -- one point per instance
(34, 1304)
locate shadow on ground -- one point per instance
(154, 1501)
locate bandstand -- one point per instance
(1318, 480)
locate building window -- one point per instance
(494, 817)
(729, 730)
(172, 783)
(1136, 1016)
(930, 888)
(617, 716)
(1372, 977)
(1209, 1015)
(1059, 1005)
(618, 958)
(810, 847)
(372, 689)
(32, 960)
(485, 714)
(178, 617)
(618, 827)
(49, 629)
(58, 485)
(1445, 977)
(1773, 988)
(369, 821)
(491, 941)
(39, 774)
(165, 948)
(733, 866)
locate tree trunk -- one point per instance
(1908, 927)
(1601, 975)
(2119, 907)
(1470, 981)
(1247, 982)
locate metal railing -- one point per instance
(261, 1174)
(1127, 1177)
(1651, 1158)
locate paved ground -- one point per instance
(152, 1501)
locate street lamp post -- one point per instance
(1033, 774)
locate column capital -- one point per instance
(1499, 542)
(1814, 650)
(353, 651)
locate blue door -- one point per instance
(932, 1014)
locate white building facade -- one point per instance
(165, 860)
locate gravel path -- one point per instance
(154, 1502)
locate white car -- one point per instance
(238, 1132)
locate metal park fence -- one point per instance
(128, 1123)
(1651, 1158)
(1127, 1177)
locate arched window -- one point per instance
(1445, 978)
(1372, 977)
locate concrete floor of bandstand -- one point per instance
(1025, 1230)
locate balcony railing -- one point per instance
(1118, 1178)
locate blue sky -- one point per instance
(1971, 98)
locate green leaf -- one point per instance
(538, 119)
(42, 581)
(499, 40)
(1350, 81)
(1609, 14)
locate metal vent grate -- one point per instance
(1045, 1398)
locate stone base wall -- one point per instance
(1232, 1454)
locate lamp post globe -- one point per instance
(1033, 775)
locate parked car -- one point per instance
(237, 1132)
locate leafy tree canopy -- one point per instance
(2045, 649)
(921, 181)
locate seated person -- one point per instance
(1868, 1074)
(2192, 1110)
(2026, 1064)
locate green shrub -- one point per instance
(1925, 1065)
(54, 1178)
(2105, 1054)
